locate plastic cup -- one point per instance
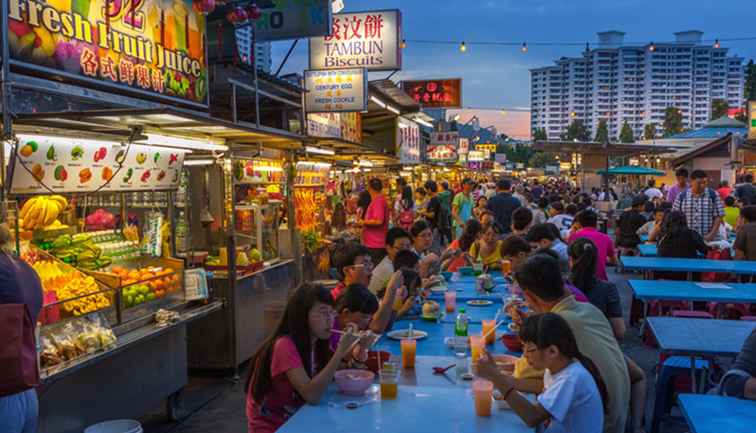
(388, 378)
(488, 325)
(476, 347)
(506, 267)
(450, 299)
(483, 393)
(409, 348)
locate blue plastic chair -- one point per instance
(671, 368)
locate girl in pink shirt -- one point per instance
(295, 365)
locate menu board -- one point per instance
(69, 165)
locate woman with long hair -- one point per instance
(404, 208)
(294, 365)
(574, 398)
(363, 201)
(456, 255)
(480, 206)
(677, 240)
(487, 248)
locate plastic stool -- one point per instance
(692, 314)
(671, 367)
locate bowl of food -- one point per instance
(354, 382)
(447, 275)
(466, 271)
(431, 310)
(512, 342)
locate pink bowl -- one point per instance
(512, 342)
(354, 382)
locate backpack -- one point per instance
(406, 218)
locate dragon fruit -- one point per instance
(67, 55)
(100, 220)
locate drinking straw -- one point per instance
(492, 329)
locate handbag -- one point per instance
(18, 350)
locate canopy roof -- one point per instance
(633, 169)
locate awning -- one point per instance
(119, 124)
(633, 170)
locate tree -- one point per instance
(719, 108)
(539, 160)
(540, 134)
(602, 132)
(626, 134)
(577, 131)
(673, 121)
(649, 131)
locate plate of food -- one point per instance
(479, 302)
(401, 334)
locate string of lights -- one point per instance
(651, 45)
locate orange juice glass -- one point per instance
(476, 346)
(409, 348)
(389, 376)
(488, 325)
(450, 300)
(483, 392)
(506, 267)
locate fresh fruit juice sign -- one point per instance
(71, 165)
(152, 47)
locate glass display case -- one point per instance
(256, 227)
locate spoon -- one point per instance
(442, 370)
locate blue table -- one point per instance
(716, 414)
(668, 264)
(647, 250)
(424, 403)
(647, 290)
(700, 337)
(465, 287)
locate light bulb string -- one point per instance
(569, 44)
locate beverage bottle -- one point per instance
(460, 326)
(181, 232)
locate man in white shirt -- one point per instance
(557, 216)
(397, 239)
(652, 191)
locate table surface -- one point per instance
(690, 291)
(716, 414)
(683, 336)
(465, 288)
(448, 406)
(688, 265)
(648, 250)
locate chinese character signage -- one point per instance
(752, 120)
(351, 127)
(491, 147)
(342, 126)
(75, 165)
(153, 47)
(360, 40)
(408, 141)
(336, 90)
(435, 93)
(292, 19)
(478, 155)
(464, 146)
(443, 147)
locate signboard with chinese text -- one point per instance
(445, 93)
(360, 39)
(149, 47)
(478, 155)
(351, 127)
(491, 147)
(336, 90)
(551, 170)
(752, 120)
(67, 165)
(292, 19)
(408, 141)
(341, 126)
(464, 145)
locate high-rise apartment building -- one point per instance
(636, 84)
(263, 59)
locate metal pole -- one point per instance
(286, 57)
(234, 115)
(7, 126)
(291, 215)
(254, 69)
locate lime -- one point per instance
(139, 300)
(150, 297)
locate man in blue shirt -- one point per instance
(503, 204)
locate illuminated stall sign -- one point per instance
(361, 39)
(443, 147)
(153, 47)
(435, 93)
(336, 90)
(408, 141)
(292, 19)
(752, 120)
(490, 147)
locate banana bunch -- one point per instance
(81, 287)
(41, 211)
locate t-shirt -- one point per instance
(282, 400)
(653, 193)
(746, 359)
(434, 207)
(595, 340)
(745, 240)
(731, 215)
(492, 258)
(629, 223)
(19, 284)
(562, 221)
(674, 191)
(605, 297)
(446, 200)
(603, 243)
(573, 400)
(746, 191)
(338, 290)
(464, 205)
(724, 192)
(381, 275)
(375, 237)
(502, 205)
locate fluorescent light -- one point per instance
(393, 110)
(315, 165)
(378, 101)
(364, 164)
(184, 143)
(81, 141)
(337, 6)
(319, 151)
(198, 162)
(271, 168)
(424, 123)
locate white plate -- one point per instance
(479, 302)
(400, 334)
(439, 288)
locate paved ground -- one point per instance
(215, 403)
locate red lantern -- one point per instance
(237, 15)
(253, 12)
(203, 7)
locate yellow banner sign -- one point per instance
(486, 146)
(154, 46)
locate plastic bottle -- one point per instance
(460, 326)
(181, 232)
